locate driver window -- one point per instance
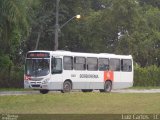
(56, 65)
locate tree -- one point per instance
(13, 26)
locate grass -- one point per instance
(14, 89)
(135, 87)
(81, 103)
(146, 87)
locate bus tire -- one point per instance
(107, 87)
(67, 87)
(87, 90)
(43, 91)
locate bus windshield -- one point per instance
(37, 67)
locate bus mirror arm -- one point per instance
(53, 61)
(84, 66)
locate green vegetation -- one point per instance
(81, 103)
(148, 76)
(14, 89)
(146, 87)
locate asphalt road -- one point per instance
(5, 93)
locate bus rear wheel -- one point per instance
(67, 87)
(43, 91)
(107, 87)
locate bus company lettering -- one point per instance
(88, 76)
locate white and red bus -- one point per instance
(66, 71)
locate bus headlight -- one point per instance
(45, 81)
(26, 82)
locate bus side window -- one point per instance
(56, 65)
(68, 62)
(126, 65)
(79, 63)
(103, 64)
(114, 64)
(92, 64)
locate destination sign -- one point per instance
(38, 55)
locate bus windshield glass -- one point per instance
(37, 67)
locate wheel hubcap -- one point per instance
(67, 87)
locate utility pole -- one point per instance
(56, 26)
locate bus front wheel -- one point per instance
(43, 91)
(67, 87)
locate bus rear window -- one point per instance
(126, 65)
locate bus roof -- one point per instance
(69, 53)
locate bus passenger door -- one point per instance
(56, 74)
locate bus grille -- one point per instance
(35, 85)
(37, 79)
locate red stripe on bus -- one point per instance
(108, 75)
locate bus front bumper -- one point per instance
(35, 84)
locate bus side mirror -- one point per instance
(87, 66)
(53, 63)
